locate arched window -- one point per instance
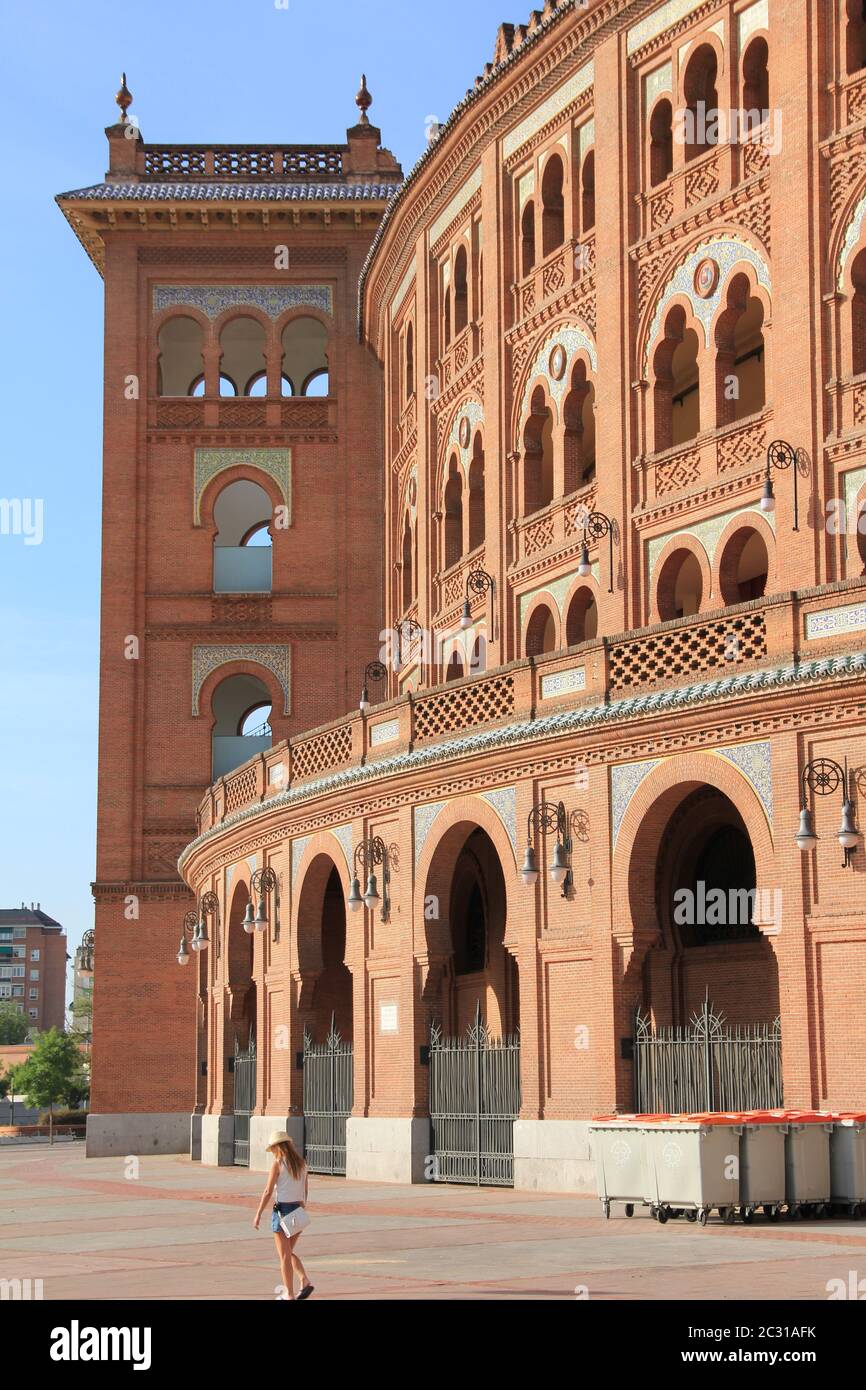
(461, 292)
(527, 240)
(478, 660)
(740, 357)
(453, 514)
(680, 586)
(242, 355)
(446, 319)
(455, 667)
(241, 712)
(242, 542)
(861, 533)
(587, 193)
(305, 357)
(479, 298)
(540, 632)
(702, 101)
(858, 314)
(855, 36)
(677, 384)
(756, 82)
(581, 620)
(410, 362)
(744, 566)
(579, 416)
(538, 455)
(408, 579)
(180, 367)
(476, 494)
(552, 206)
(661, 157)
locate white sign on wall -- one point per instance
(388, 1018)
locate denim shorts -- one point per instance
(281, 1209)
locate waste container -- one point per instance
(694, 1166)
(848, 1163)
(619, 1147)
(807, 1162)
(762, 1166)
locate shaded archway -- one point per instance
(242, 1002)
(326, 980)
(744, 566)
(680, 587)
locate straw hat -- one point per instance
(278, 1136)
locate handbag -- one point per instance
(294, 1221)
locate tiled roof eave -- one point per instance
(214, 191)
(799, 674)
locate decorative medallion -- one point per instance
(463, 432)
(557, 362)
(706, 277)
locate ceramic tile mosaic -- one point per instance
(274, 658)
(214, 300)
(726, 252)
(208, 463)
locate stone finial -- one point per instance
(123, 99)
(363, 100)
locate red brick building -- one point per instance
(620, 309)
(33, 965)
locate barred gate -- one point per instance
(245, 1100)
(707, 1066)
(474, 1101)
(328, 1098)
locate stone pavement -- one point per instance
(180, 1231)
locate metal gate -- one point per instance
(474, 1101)
(245, 1099)
(328, 1096)
(707, 1066)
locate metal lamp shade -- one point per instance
(529, 871)
(249, 920)
(371, 892)
(355, 902)
(806, 837)
(848, 835)
(559, 863)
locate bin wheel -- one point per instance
(807, 1211)
(691, 1216)
(772, 1213)
(728, 1215)
(629, 1209)
(747, 1215)
(794, 1213)
(855, 1211)
(819, 1209)
(605, 1206)
(703, 1216)
(676, 1212)
(662, 1216)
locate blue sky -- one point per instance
(228, 70)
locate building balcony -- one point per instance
(555, 526)
(242, 569)
(558, 272)
(242, 412)
(733, 449)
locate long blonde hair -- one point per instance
(286, 1153)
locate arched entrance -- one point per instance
(474, 1051)
(325, 1005)
(242, 1004)
(708, 1001)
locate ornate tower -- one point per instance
(242, 520)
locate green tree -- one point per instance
(51, 1071)
(5, 1084)
(13, 1024)
(81, 1010)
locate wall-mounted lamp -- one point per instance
(550, 815)
(373, 671)
(595, 526)
(780, 454)
(823, 777)
(262, 884)
(368, 854)
(195, 927)
(477, 582)
(408, 631)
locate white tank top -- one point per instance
(290, 1189)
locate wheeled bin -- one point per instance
(694, 1166)
(762, 1167)
(619, 1148)
(807, 1163)
(848, 1163)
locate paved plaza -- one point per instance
(180, 1231)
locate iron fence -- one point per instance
(474, 1101)
(707, 1065)
(245, 1100)
(328, 1098)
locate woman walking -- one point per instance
(287, 1181)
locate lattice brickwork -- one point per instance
(179, 415)
(686, 651)
(702, 182)
(742, 447)
(245, 413)
(241, 789)
(538, 536)
(178, 164)
(243, 163)
(678, 472)
(661, 210)
(465, 706)
(322, 753)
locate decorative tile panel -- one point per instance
(548, 110)
(726, 252)
(750, 20)
(624, 782)
(557, 589)
(343, 833)
(573, 340)
(275, 659)
(299, 848)
(754, 761)
(657, 22)
(277, 463)
(656, 82)
(457, 204)
(563, 682)
(473, 411)
(403, 288)
(214, 300)
(504, 803)
(585, 138)
(385, 732)
(851, 238)
(835, 622)
(422, 818)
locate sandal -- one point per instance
(305, 1292)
